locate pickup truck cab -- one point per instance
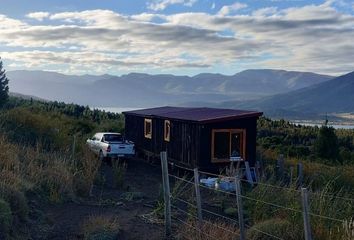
(110, 145)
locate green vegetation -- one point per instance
(39, 163)
(4, 88)
(44, 158)
(100, 227)
(313, 144)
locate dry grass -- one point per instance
(119, 170)
(52, 174)
(87, 169)
(209, 230)
(100, 227)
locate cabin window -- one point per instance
(148, 128)
(228, 144)
(167, 130)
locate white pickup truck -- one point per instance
(110, 145)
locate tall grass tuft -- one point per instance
(207, 230)
(100, 227)
(119, 171)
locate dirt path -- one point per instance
(140, 177)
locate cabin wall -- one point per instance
(250, 124)
(183, 146)
(190, 143)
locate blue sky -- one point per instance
(183, 37)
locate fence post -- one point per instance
(73, 148)
(300, 174)
(197, 195)
(239, 207)
(166, 190)
(291, 175)
(305, 213)
(280, 163)
(258, 171)
(248, 173)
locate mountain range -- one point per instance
(278, 93)
(333, 96)
(145, 90)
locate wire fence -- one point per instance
(193, 209)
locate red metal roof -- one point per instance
(195, 114)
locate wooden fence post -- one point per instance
(300, 174)
(166, 190)
(291, 175)
(305, 213)
(197, 195)
(199, 201)
(248, 173)
(280, 163)
(258, 171)
(73, 148)
(240, 207)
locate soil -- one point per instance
(132, 213)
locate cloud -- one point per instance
(38, 15)
(159, 5)
(229, 9)
(309, 38)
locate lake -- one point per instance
(116, 109)
(336, 126)
(123, 109)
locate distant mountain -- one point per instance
(141, 90)
(26, 97)
(333, 96)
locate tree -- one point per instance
(326, 145)
(4, 88)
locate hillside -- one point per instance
(333, 96)
(114, 91)
(54, 188)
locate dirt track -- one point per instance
(140, 177)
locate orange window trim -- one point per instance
(230, 131)
(148, 130)
(167, 130)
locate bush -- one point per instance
(209, 230)
(276, 227)
(5, 219)
(100, 227)
(119, 170)
(17, 200)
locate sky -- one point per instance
(182, 37)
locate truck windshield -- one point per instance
(112, 138)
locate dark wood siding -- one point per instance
(190, 142)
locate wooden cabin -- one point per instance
(207, 138)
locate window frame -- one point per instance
(167, 135)
(230, 131)
(146, 134)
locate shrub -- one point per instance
(5, 219)
(209, 230)
(276, 227)
(17, 200)
(119, 170)
(100, 227)
(88, 168)
(57, 182)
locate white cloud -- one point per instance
(159, 5)
(229, 9)
(310, 38)
(38, 15)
